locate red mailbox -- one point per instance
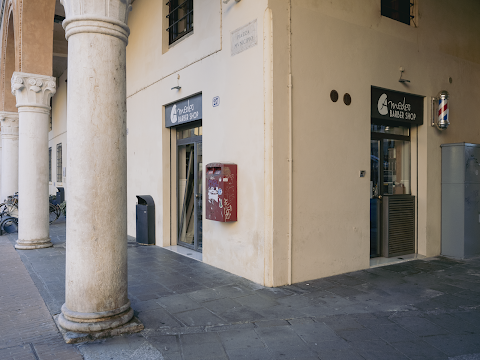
(221, 181)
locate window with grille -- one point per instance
(50, 164)
(59, 162)
(180, 19)
(400, 10)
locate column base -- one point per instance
(33, 244)
(72, 337)
(94, 322)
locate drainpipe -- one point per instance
(290, 145)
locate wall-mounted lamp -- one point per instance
(178, 87)
(440, 110)
(226, 1)
(403, 81)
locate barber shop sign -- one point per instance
(395, 107)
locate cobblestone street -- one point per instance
(421, 309)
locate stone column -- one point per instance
(33, 93)
(9, 157)
(96, 296)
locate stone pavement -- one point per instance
(422, 309)
(26, 327)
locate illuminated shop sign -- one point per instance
(184, 111)
(391, 107)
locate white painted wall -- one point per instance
(58, 134)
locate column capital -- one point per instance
(9, 125)
(108, 17)
(33, 90)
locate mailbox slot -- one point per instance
(221, 186)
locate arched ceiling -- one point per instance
(60, 44)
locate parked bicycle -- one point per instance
(10, 206)
(54, 209)
(9, 214)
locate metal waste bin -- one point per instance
(145, 220)
(60, 195)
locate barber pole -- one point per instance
(443, 120)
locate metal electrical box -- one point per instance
(221, 182)
(461, 200)
(145, 220)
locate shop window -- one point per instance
(180, 19)
(185, 134)
(50, 164)
(400, 10)
(59, 162)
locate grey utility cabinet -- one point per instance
(461, 200)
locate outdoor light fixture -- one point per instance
(403, 81)
(178, 87)
(440, 110)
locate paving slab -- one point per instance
(27, 329)
(422, 309)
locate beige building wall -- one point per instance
(348, 46)
(232, 132)
(303, 208)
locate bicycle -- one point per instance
(9, 214)
(10, 206)
(54, 210)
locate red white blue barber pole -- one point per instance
(443, 110)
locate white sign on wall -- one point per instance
(244, 38)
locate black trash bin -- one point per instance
(60, 195)
(145, 220)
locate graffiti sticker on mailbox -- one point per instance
(184, 111)
(221, 182)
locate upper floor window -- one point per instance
(59, 162)
(50, 164)
(180, 19)
(51, 114)
(400, 10)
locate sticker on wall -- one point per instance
(216, 101)
(244, 38)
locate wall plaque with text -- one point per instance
(244, 38)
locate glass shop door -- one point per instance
(375, 198)
(390, 161)
(190, 188)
